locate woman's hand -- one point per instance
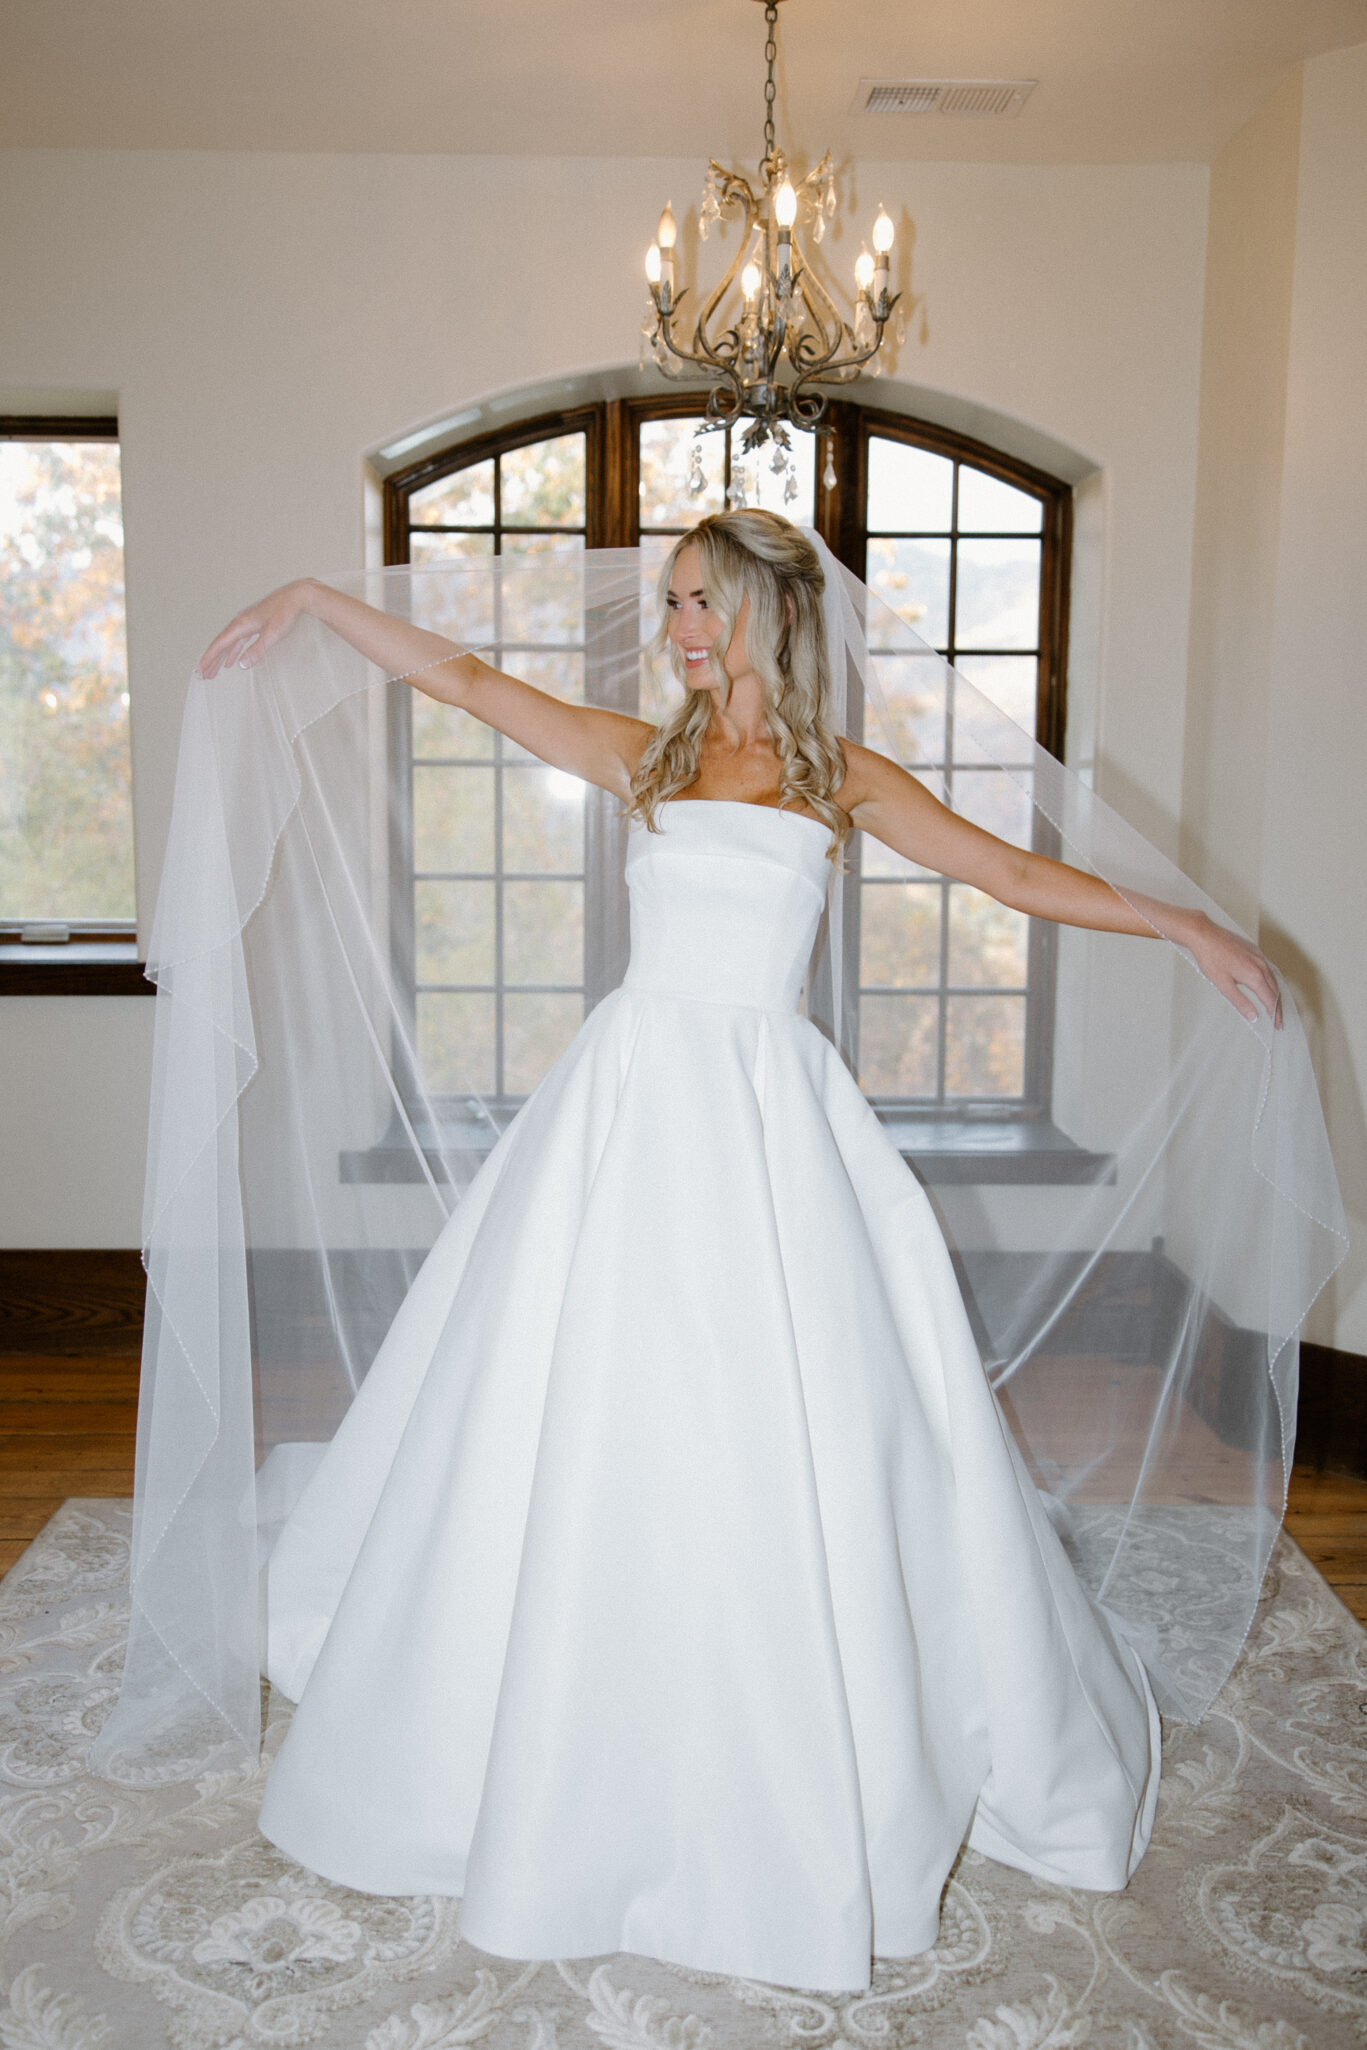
(587, 741)
(889, 803)
(248, 637)
(1237, 969)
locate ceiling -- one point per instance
(1120, 81)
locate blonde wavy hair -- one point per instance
(757, 556)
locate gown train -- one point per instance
(674, 1584)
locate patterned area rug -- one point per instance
(132, 1918)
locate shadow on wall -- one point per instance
(1218, 877)
(1136, 805)
(1331, 1054)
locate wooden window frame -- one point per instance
(58, 427)
(103, 957)
(613, 482)
(602, 831)
(464, 455)
(854, 428)
(848, 539)
(612, 519)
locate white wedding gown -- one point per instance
(673, 1584)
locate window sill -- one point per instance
(76, 968)
(978, 1151)
(942, 1153)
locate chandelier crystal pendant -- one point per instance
(775, 355)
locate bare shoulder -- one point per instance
(870, 778)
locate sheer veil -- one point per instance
(1137, 1243)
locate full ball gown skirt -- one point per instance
(674, 1584)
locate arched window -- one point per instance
(968, 545)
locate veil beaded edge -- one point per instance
(309, 1139)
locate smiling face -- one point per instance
(694, 628)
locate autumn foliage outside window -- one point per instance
(66, 829)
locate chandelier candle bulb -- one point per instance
(666, 234)
(882, 242)
(776, 359)
(785, 213)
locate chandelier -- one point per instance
(773, 356)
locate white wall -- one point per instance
(1250, 267)
(1314, 868)
(1276, 735)
(73, 1119)
(267, 322)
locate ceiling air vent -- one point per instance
(1002, 97)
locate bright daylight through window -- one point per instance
(944, 969)
(498, 838)
(66, 829)
(955, 990)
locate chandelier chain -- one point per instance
(770, 58)
(776, 357)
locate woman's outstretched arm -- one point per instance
(883, 799)
(600, 746)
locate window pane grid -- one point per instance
(66, 827)
(503, 1055)
(432, 527)
(948, 1067)
(522, 989)
(670, 435)
(500, 907)
(934, 1045)
(938, 989)
(486, 875)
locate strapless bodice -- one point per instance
(725, 902)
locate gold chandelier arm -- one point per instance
(734, 191)
(726, 401)
(789, 315)
(714, 354)
(809, 406)
(718, 353)
(825, 317)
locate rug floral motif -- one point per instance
(137, 1917)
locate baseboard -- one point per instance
(1331, 1421)
(75, 1301)
(71, 1301)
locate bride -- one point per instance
(674, 1583)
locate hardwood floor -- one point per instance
(1326, 1513)
(68, 1418)
(67, 1427)
(70, 1337)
